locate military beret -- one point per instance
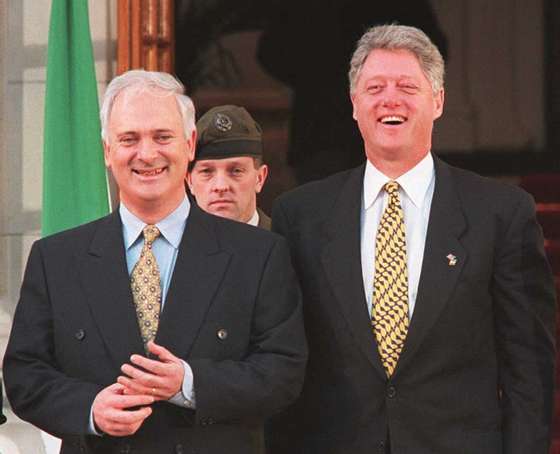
(226, 132)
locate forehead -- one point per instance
(145, 108)
(226, 162)
(398, 63)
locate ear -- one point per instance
(107, 154)
(352, 100)
(438, 104)
(188, 179)
(191, 145)
(262, 173)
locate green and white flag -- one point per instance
(74, 177)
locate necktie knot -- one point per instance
(151, 232)
(392, 188)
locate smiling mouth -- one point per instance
(150, 172)
(393, 120)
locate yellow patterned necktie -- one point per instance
(146, 290)
(390, 291)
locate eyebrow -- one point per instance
(136, 131)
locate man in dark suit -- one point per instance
(228, 171)
(428, 302)
(132, 336)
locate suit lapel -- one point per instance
(105, 279)
(438, 278)
(200, 267)
(341, 260)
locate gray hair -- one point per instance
(152, 80)
(399, 37)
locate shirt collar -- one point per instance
(171, 227)
(254, 219)
(414, 183)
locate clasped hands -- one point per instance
(121, 408)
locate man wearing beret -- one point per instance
(228, 171)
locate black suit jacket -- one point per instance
(477, 369)
(75, 325)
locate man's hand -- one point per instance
(161, 378)
(112, 412)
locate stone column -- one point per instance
(24, 28)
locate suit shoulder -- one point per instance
(238, 235)
(318, 197)
(477, 189)
(74, 235)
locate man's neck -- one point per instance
(394, 168)
(152, 213)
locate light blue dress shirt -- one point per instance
(165, 249)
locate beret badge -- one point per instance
(223, 122)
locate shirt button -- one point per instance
(222, 334)
(391, 392)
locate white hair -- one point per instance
(139, 78)
(399, 37)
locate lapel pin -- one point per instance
(452, 259)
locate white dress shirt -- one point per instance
(254, 219)
(416, 192)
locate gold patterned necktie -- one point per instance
(146, 290)
(390, 291)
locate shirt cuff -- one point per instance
(185, 397)
(91, 429)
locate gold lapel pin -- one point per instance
(452, 259)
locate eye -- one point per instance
(128, 140)
(237, 171)
(374, 88)
(409, 88)
(163, 138)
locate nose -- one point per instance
(146, 151)
(391, 97)
(220, 183)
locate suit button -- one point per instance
(179, 449)
(80, 334)
(381, 447)
(203, 421)
(211, 421)
(222, 334)
(391, 392)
